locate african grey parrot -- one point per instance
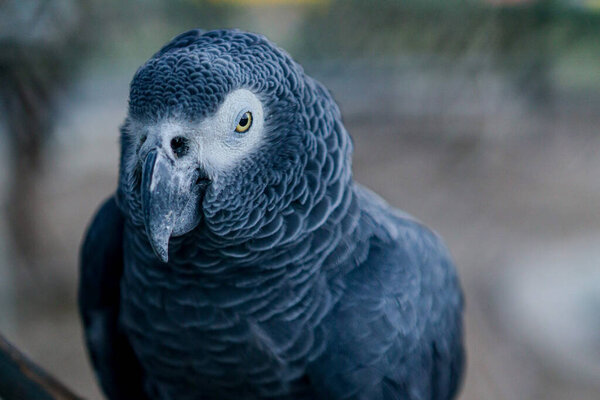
(239, 260)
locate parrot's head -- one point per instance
(226, 133)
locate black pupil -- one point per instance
(244, 121)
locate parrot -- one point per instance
(237, 257)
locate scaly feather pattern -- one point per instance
(297, 282)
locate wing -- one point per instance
(397, 331)
(116, 366)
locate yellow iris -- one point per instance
(245, 122)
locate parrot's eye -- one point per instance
(245, 122)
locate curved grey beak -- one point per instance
(171, 197)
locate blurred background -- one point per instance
(478, 117)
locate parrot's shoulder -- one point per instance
(101, 256)
(402, 248)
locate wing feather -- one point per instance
(101, 267)
(396, 332)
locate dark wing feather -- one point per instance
(397, 331)
(116, 366)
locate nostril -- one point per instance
(180, 146)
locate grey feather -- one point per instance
(293, 281)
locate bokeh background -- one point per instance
(478, 117)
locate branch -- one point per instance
(21, 379)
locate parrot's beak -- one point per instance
(171, 197)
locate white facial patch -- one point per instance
(219, 145)
(213, 142)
